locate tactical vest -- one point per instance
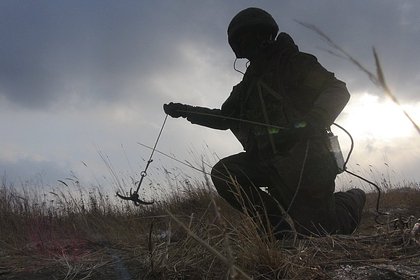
(262, 97)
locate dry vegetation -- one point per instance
(190, 235)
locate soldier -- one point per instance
(280, 112)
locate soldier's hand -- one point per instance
(295, 132)
(176, 110)
(303, 130)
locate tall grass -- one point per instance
(190, 234)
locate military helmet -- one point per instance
(251, 18)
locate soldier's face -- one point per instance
(248, 43)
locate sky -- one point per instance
(82, 84)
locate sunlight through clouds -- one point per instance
(384, 139)
(372, 117)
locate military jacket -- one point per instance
(280, 88)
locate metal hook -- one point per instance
(134, 196)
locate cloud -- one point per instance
(79, 74)
(40, 171)
(84, 52)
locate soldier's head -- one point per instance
(249, 29)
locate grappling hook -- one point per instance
(134, 196)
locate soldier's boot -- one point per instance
(349, 206)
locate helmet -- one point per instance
(251, 17)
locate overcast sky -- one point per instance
(80, 79)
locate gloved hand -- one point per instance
(176, 110)
(285, 139)
(302, 130)
(297, 131)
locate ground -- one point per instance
(206, 240)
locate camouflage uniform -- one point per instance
(281, 88)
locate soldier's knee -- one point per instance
(218, 174)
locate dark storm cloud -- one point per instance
(90, 49)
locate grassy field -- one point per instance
(192, 234)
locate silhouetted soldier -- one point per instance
(280, 112)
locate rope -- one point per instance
(144, 172)
(134, 196)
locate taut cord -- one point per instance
(134, 196)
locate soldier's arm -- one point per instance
(328, 94)
(218, 118)
(212, 118)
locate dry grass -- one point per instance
(189, 235)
